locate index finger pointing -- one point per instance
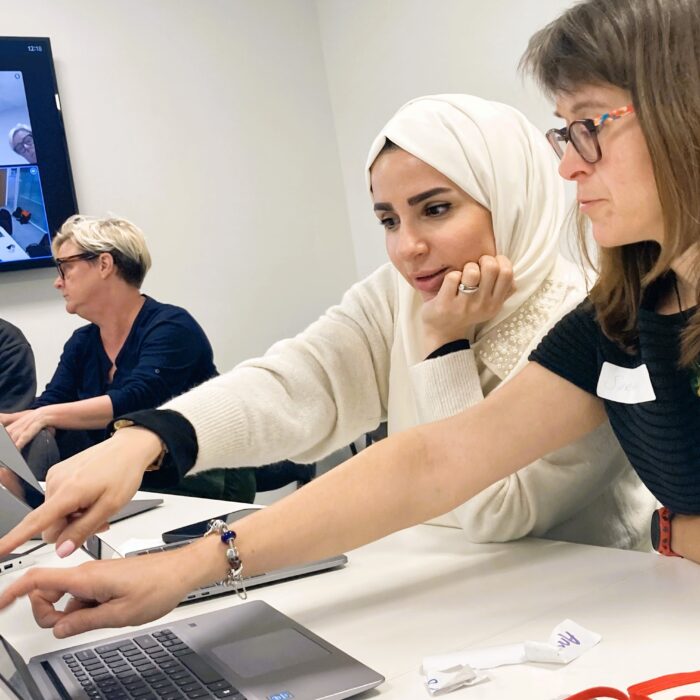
(54, 580)
(36, 522)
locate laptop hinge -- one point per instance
(55, 680)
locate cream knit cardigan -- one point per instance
(360, 364)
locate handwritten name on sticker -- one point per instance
(567, 639)
(625, 384)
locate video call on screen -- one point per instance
(36, 184)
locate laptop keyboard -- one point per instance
(158, 666)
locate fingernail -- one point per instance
(65, 549)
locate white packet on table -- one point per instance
(446, 672)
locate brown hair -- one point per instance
(652, 49)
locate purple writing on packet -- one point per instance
(566, 639)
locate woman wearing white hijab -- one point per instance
(586, 492)
(477, 188)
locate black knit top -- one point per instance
(660, 437)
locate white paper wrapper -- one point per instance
(439, 682)
(566, 643)
(446, 672)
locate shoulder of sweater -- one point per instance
(12, 340)
(570, 277)
(380, 287)
(384, 277)
(8, 331)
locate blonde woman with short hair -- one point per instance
(135, 352)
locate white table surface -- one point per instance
(10, 249)
(426, 591)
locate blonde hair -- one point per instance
(652, 49)
(120, 238)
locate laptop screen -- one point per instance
(15, 674)
(18, 487)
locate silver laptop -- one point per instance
(26, 493)
(99, 549)
(248, 651)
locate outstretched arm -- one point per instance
(421, 473)
(685, 537)
(84, 491)
(414, 475)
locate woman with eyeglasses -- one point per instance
(467, 195)
(629, 353)
(22, 142)
(135, 353)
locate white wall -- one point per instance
(208, 123)
(381, 53)
(259, 114)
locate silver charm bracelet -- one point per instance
(234, 578)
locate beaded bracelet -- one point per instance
(234, 577)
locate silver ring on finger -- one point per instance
(466, 289)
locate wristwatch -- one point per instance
(661, 532)
(157, 463)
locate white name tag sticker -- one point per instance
(625, 385)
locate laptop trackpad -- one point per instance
(270, 652)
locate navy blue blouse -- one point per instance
(165, 354)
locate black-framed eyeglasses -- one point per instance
(583, 134)
(60, 262)
(24, 145)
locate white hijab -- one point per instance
(493, 153)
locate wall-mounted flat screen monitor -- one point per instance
(36, 184)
